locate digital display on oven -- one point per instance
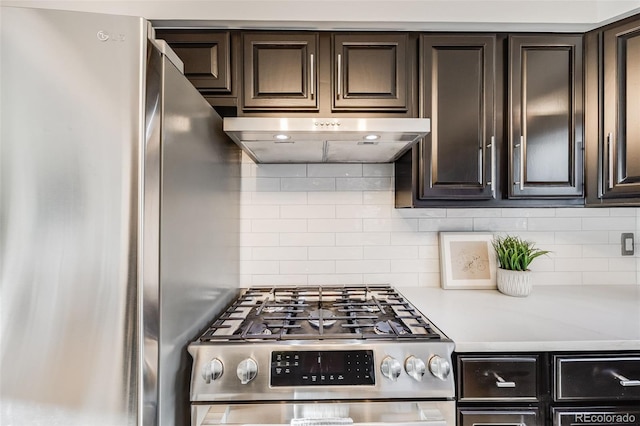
(322, 368)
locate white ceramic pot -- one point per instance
(514, 283)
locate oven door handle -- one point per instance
(626, 382)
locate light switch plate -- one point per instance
(628, 244)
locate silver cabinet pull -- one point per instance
(339, 74)
(610, 152)
(312, 75)
(521, 181)
(626, 382)
(501, 383)
(492, 158)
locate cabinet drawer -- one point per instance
(611, 416)
(498, 378)
(601, 378)
(499, 417)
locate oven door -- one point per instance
(401, 413)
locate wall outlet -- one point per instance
(628, 245)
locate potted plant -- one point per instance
(514, 257)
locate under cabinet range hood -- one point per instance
(325, 140)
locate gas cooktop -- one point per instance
(318, 313)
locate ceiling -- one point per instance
(427, 15)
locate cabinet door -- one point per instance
(458, 79)
(370, 72)
(499, 417)
(546, 122)
(621, 129)
(280, 71)
(206, 57)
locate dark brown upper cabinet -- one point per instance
(206, 56)
(545, 142)
(613, 98)
(371, 72)
(280, 71)
(458, 79)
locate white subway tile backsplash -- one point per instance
(308, 184)
(364, 184)
(334, 170)
(322, 224)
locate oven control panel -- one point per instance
(318, 368)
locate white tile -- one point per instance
(510, 224)
(279, 198)
(308, 184)
(446, 224)
(622, 264)
(335, 253)
(582, 265)
(336, 279)
(421, 213)
(391, 252)
(281, 170)
(378, 197)
(430, 279)
(600, 250)
(245, 280)
(337, 197)
(363, 211)
(247, 170)
(364, 184)
(280, 280)
(582, 212)
(245, 225)
(260, 184)
(538, 237)
(582, 237)
(624, 211)
(563, 250)
(279, 253)
(307, 267)
(308, 211)
(495, 213)
(335, 225)
(307, 239)
(362, 266)
(609, 224)
(262, 239)
(390, 225)
(396, 280)
(279, 225)
(415, 265)
(259, 267)
(557, 278)
(523, 212)
(543, 263)
(429, 252)
(259, 212)
(382, 169)
(554, 224)
(362, 238)
(414, 238)
(245, 254)
(334, 170)
(609, 278)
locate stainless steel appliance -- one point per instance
(119, 222)
(322, 356)
(325, 140)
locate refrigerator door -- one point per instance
(72, 123)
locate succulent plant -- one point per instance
(514, 253)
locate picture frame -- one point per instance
(467, 260)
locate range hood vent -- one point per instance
(325, 140)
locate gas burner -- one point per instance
(371, 308)
(259, 328)
(272, 308)
(327, 318)
(389, 327)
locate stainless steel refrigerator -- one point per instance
(119, 221)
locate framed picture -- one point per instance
(467, 260)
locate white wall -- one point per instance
(315, 224)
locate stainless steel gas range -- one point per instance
(322, 356)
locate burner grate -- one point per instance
(316, 313)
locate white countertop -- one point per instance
(551, 318)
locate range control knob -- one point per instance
(391, 368)
(439, 367)
(247, 370)
(212, 370)
(415, 367)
